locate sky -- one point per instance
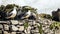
(43, 6)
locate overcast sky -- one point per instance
(43, 6)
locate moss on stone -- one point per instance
(25, 25)
(55, 25)
(40, 29)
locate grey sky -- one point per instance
(43, 6)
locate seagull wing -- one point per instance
(10, 14)
(27, 14)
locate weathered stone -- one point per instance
(57, 31)
(6, 27)
(34, 23)
(1, 26)
(37, 30)
(18, 27)
(0, 31)
(46, 30)
(30, 23)
(28, 30)
(5, 32)
(21, 28)
(4, 22)
(14, 28)
(13, 32)
(14, 21)
(30, 20)
(21, 23)
(51, 32)
(20, 33)
(36, 33)
(38, 24)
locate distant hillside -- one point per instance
(47, 16)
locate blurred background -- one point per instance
(43, 6)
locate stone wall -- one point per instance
(26, 27)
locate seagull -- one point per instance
(27, 15)
(12, 14)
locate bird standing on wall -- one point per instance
(12, 14)
(27, 14)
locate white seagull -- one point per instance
(27, 14)
(13, 13)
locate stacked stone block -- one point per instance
(18, 27)
(11, 27)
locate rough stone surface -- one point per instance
(17, 27)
